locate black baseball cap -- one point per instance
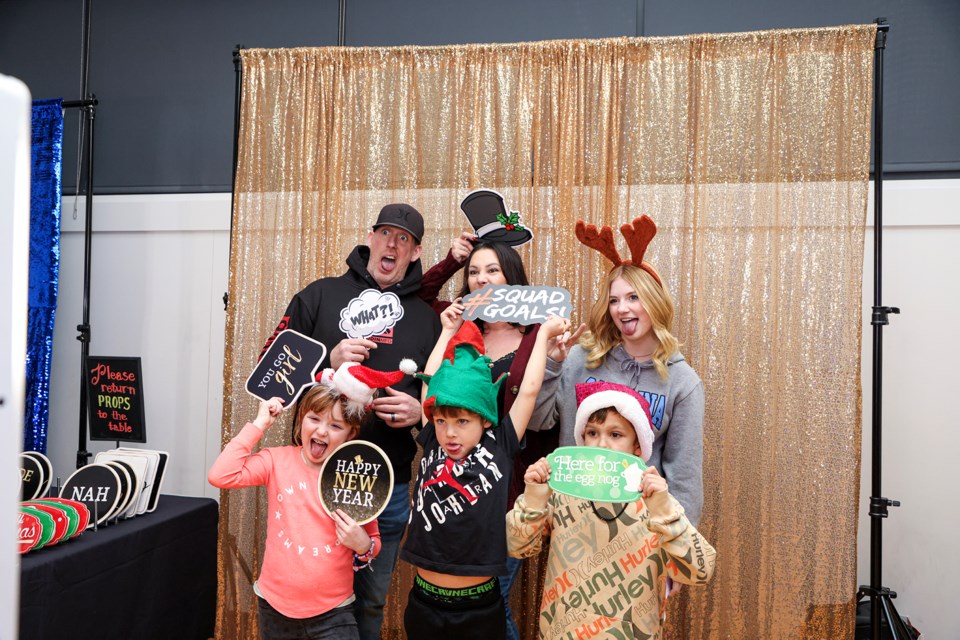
(402, 216)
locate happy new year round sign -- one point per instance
(358, 479)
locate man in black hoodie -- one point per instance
(372, 314)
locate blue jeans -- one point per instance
(506, 582)
(371, 584)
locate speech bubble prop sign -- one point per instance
(357, 478)
(592, 473)
(510, 303)
(370, 314)
(288, 366)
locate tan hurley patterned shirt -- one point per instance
(607, 568)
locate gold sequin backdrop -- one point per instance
(751, 153)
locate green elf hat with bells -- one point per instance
(463, 378)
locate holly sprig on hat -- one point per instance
(510, 222)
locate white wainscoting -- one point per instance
(158, 274)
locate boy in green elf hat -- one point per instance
(457, 537)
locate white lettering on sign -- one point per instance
(512, 303)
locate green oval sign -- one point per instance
(592, 473)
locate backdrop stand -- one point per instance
(881, 598)
(88, 105)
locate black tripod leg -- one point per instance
(897, 627)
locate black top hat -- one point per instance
(491, 221)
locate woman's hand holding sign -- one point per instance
(452, 317)
(462, 246)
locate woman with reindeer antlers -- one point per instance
(629, 342)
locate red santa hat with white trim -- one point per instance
(359, 384)
(593, 396)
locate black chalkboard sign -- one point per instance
(115, 399)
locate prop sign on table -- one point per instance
(137, 468)
(47, 468)
(49, 521)
(510, 303)
(58, 519)
(115, 399)
(153, 480)
(68, 511)
(97, 486)
(82, 512)
(30, 531)
(32, 481)
(47, 526)
(357, 478)
(126, 486)
(592, 473)
(288, 366)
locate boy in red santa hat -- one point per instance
(636, 545)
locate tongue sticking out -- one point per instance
(387, 264)
(629, 327)
(317, 449)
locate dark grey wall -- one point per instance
(164, 75)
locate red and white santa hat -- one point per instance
(593, 396)
(358, 384)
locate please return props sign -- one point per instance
(592, 473)
(115, 399)
(288, 366)
(511, 303)
(358, 479)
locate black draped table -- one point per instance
(153, 576)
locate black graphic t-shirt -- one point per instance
(456, 519)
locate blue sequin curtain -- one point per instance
(47, 143)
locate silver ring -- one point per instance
(393, 417)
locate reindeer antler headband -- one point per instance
(638, 234)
